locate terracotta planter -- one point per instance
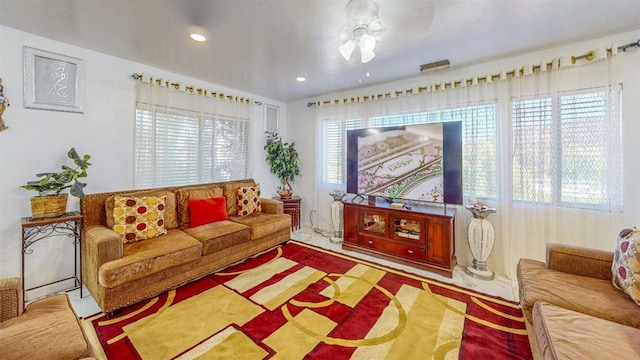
(48, 206)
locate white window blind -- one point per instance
(479, 135)
(230, 148)
(335, 140)
(177, 147)
(563, 149)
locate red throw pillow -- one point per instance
(205, 211)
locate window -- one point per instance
(562, 149)
(334, 136)
(177, 147)
(479, 144)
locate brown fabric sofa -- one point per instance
(119, 274)
(47, 329)
(573, 311)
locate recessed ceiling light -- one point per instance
(300, 79)
(198, 37)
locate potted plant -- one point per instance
(50, 202)
(283, 159)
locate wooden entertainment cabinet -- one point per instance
(421, 236)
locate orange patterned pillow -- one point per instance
(139, 218)
(249, 200)
(626, 263)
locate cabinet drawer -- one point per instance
(404, 250)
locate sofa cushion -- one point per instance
(48, 329)
(230, 191)
(187, 193)
(566, 334)
(262, 224)
(170, 215)
(578, 293)
(142, 258)
(219, 235)
(139, 218)
(625, 271)
(249, 200)
(205, 211)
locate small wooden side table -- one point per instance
(34, 230)
(292, 207)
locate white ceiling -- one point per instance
(261, 46)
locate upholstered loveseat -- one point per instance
(119, 273)
(573, 311)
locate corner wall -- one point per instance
(38, 141)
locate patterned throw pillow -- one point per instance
(249, 200)
(626, 263)
(139, 218)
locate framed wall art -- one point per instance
(53, 81)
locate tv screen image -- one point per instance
(416, 162)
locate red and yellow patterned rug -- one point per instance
(302, 302)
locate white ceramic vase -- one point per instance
(481, 237)
(336, 216)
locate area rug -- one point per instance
(301, 302)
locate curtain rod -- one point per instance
(476, 80)
(192, 90)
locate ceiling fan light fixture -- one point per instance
(347, 48)
(363, 28)
(367, 56)
(367, 43)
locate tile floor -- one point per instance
(500, 286)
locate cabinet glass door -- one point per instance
(408, 228)
(374, 222)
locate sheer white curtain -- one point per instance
(475, 106)
(185, 137)
(561, 161)
(543, 147)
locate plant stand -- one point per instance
(34, 230)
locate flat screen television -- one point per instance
(413, 162)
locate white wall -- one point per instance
(303, 117)
(37, 141)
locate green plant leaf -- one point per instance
(283, 158)
(51, 182)
(73, 154)
(77, 189)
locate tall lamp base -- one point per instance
(481, 237)
(336, 216)
(479, 271)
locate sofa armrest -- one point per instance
(11, 302)
(579, 260)
(99, 245)
(272, 206)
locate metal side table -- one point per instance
(34, 230)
